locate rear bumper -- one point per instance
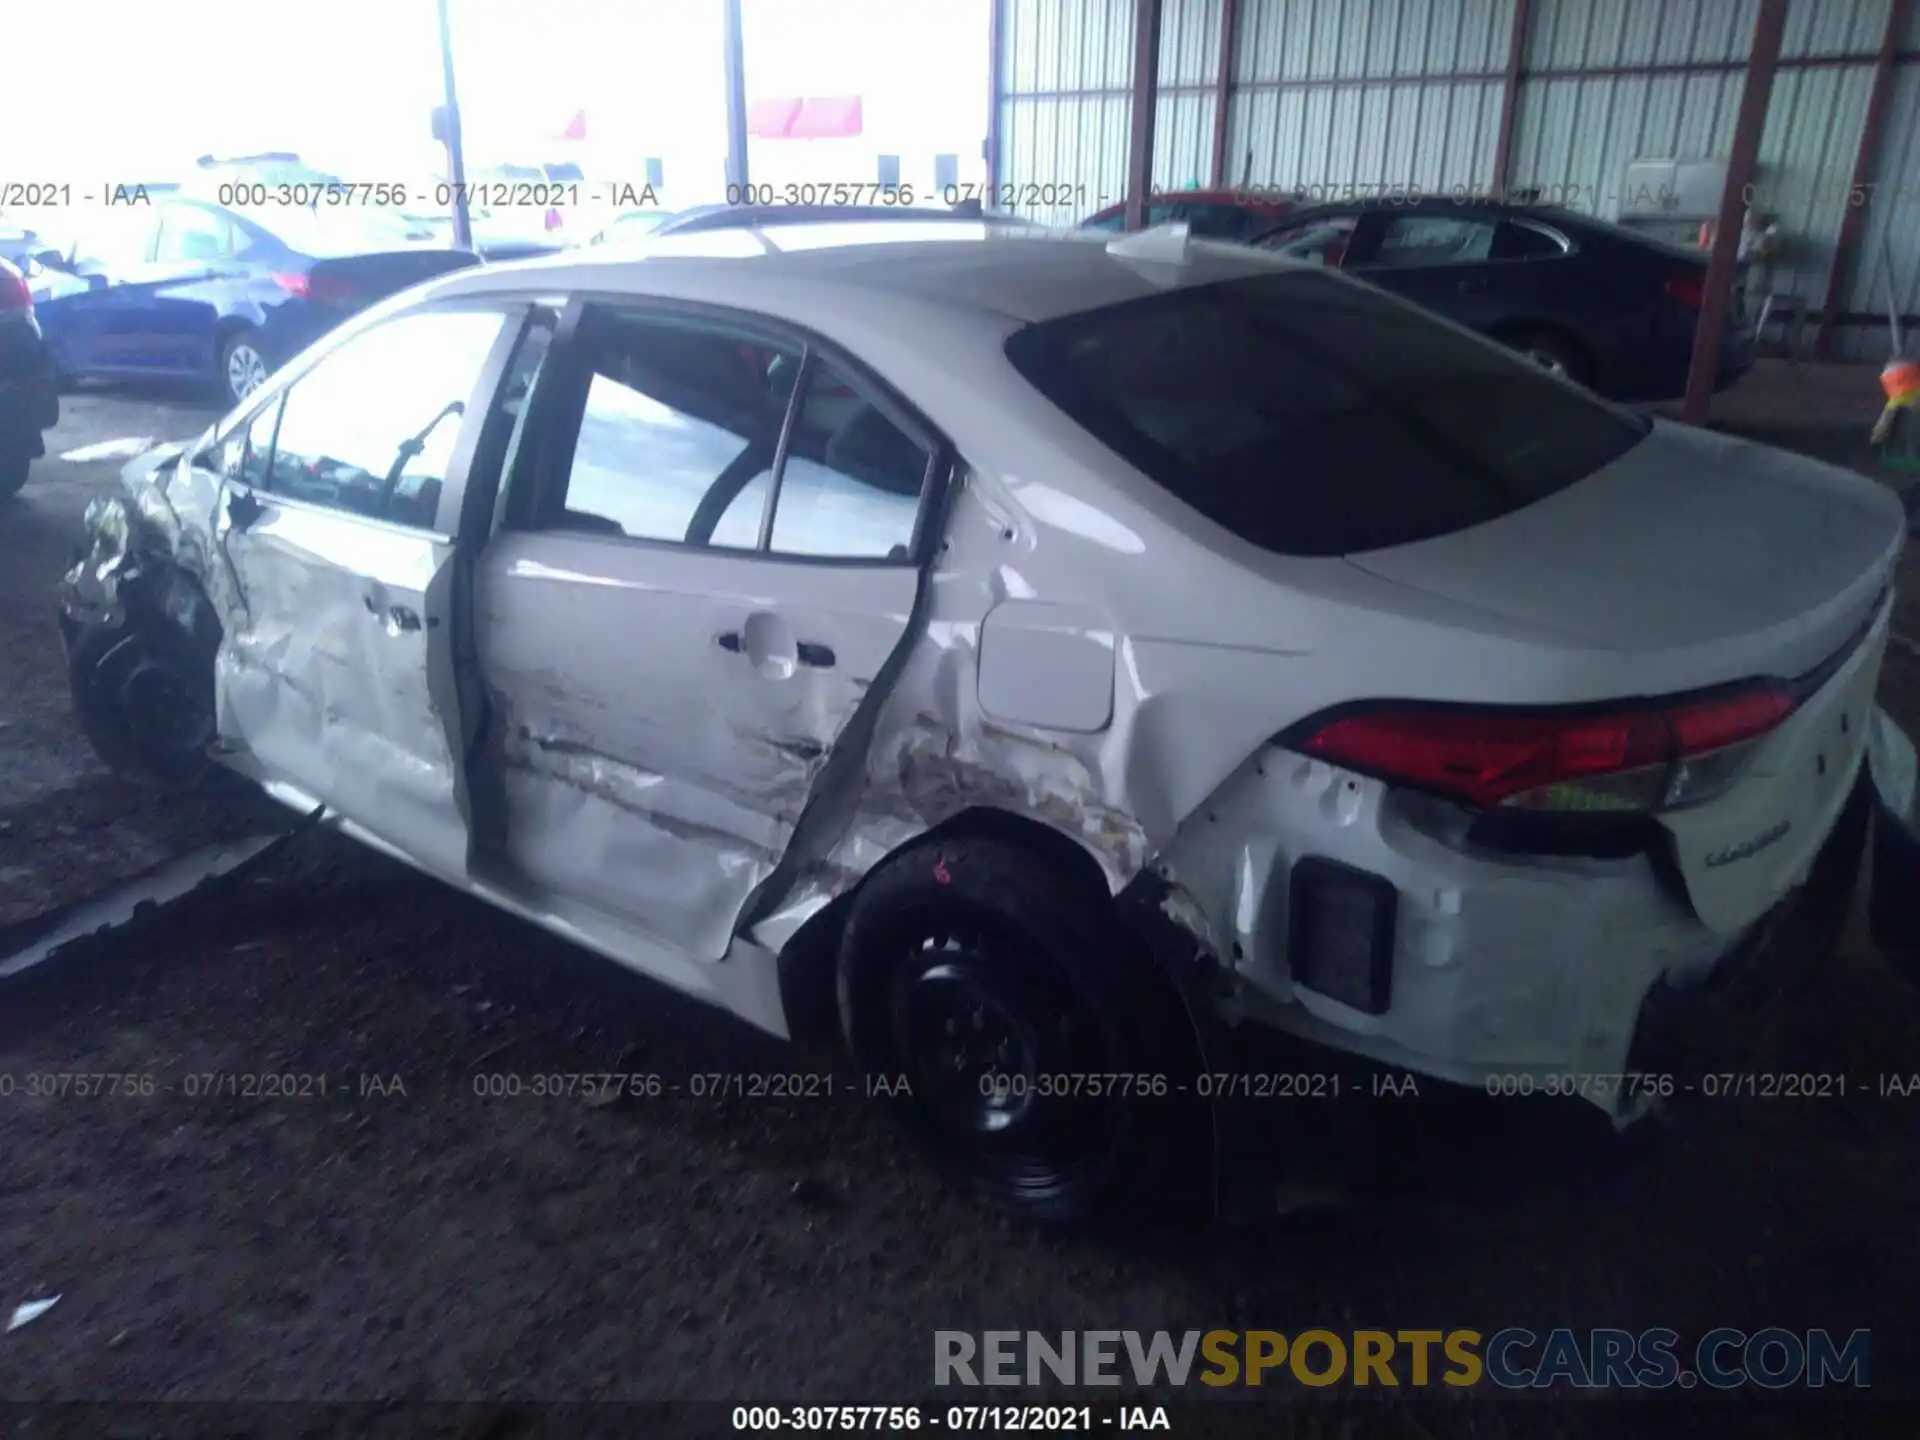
(1517, 974)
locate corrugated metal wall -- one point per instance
(1067, 66)
(1894, 214)
(1331, 94)
(1575, 134)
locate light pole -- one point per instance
(447, 130)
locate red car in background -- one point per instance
(1212, 214)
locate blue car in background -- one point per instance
(188, 289)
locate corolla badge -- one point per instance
(1747, 849)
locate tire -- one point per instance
(111, 668)
(242, 368)
(13, 474)
(1552, 351)
(988, 975)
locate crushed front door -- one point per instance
(336, 672)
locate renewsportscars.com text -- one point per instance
(1514, 1358)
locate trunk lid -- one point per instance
(1711, 560)
(1748, 560)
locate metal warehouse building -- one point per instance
(1582, 99)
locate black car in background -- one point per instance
(1602, 304)
(29, 401)
(735, 217)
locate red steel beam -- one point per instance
(996, 97)
(1680, 68)
(1223, 91)
(1510, 96)
(1146, 96)
(1865, 159)
(1763, 58)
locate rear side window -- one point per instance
(853, 477)
(681, 417)
(1314, 416)
(1525, 242)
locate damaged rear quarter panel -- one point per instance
(1119, 791)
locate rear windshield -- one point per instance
(1313, 415)
(1576, 220)
(334, 232)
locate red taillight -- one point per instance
(14, 294)
(1531, 758)
(1707, 725)
(291, 283)
(1687, 290)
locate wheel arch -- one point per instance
(1510, 332)
(806, 961)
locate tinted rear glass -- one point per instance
(1312, 415)
(1576, 221)
(334, 232)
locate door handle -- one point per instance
(810, 654)
(1476, 285)
(243, 509)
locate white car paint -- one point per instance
(1083, 649)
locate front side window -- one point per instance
(1314, 416)
(372, 427)
(1434, 240)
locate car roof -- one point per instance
(817, 273)
(731, 217)
(1246, 199)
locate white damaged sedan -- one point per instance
(1034, 658)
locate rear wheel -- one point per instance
(13, 474)
(243, 368)
(1024, 1018)
(1552, 352)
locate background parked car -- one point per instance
(29, 403)
(1212, 214)
(196, 290)
(629, 225)
(274, 167)
(1602, 304)
(733, 217)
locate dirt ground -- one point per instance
(392, 1233)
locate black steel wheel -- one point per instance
(1036, 1050)
(145, 702)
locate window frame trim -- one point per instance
(556, 404)
(513, 313)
